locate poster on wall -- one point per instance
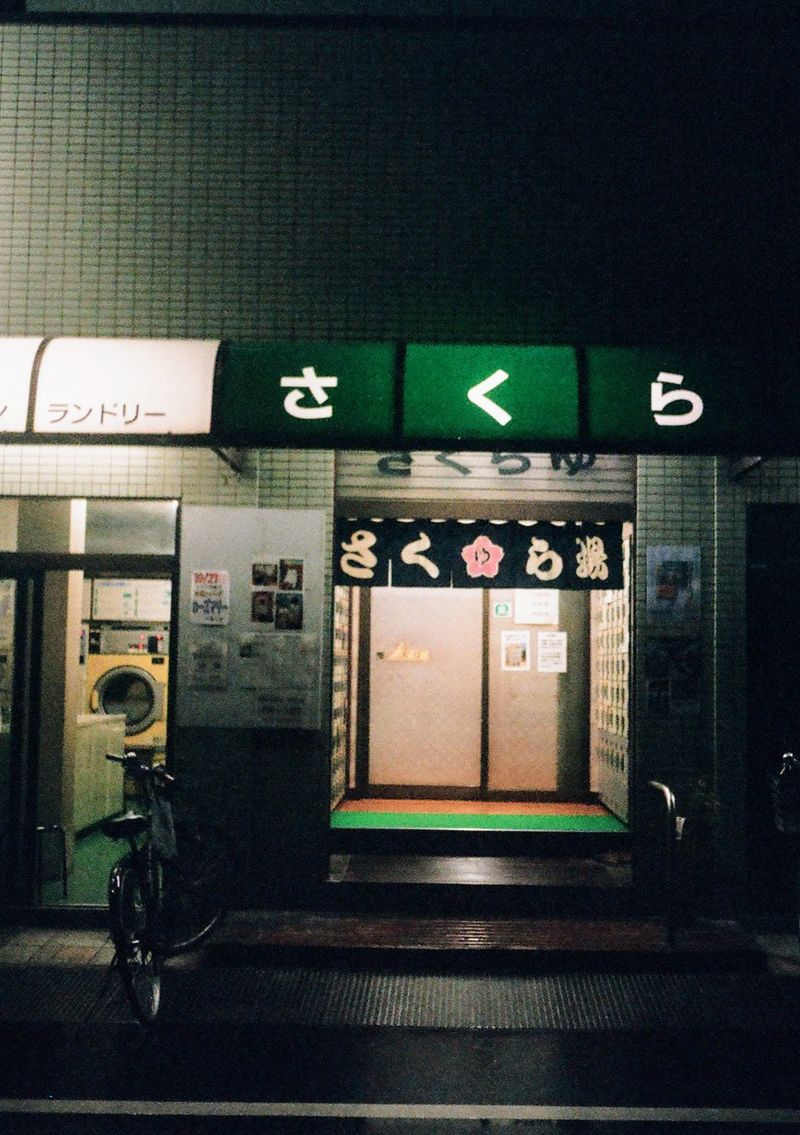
(673, 584)
(551, 652)
(515, 650)
(210, 597)
(279, 674)
(276, 592)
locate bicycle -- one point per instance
(167, 892)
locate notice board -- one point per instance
(251, 618)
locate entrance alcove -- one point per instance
(464, 751)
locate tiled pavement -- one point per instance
(27, 945)
(68, 947)
(62, 975)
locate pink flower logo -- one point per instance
(482, 557)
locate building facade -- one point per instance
(446, 181)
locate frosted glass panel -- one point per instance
(425, 686)
(133, 527)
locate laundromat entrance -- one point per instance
(85, 618)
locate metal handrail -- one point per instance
(671, 849)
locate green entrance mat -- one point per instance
(465, 822)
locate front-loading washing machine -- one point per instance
(127, 671)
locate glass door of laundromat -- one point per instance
(39, 635)
(85, 608)
(20, 640)
(8, 598)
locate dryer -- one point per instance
(127, 672)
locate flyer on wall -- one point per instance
(551, 652)
(515, 650)
(210, 597)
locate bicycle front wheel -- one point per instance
(138, 953)
(196, 884)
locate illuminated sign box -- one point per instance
(313, 392)
(382, 395)
(17, 357)
(672, 401)
(490, 393)
(125, 386)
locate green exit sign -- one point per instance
(682, 401)
(313, 393)
(493, 394)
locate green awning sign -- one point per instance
(497, 397)
(677, 401)
(316, 393)
(496, 394)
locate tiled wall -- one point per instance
(675, 505)
(696, 501)
(266, 478)
(343, 180)
(197, 475)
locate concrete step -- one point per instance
(637, 945)
(480, 886)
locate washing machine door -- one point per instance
(134, 692)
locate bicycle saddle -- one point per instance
(131, 823)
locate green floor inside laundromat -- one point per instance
(87, 883)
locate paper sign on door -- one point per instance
(552, 652)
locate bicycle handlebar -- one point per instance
(131, 763)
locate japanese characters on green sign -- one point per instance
(490, 393)
(671, 401)
(317, 392)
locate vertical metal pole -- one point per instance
(671, 846)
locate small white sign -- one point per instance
(536, 605)
(552, 652)
(125, 386)
(16, 367)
